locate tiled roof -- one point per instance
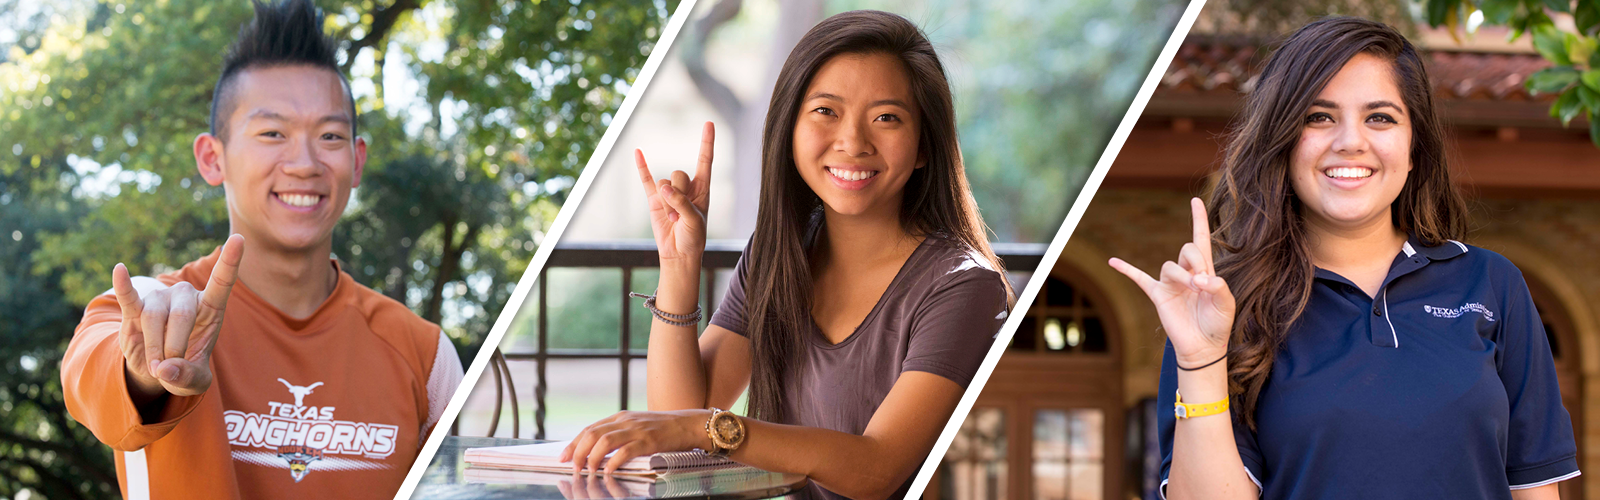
(1211, 64)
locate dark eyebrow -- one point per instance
(881, 102)
(1322, 103)
(1382, 104)
(265, 114)
(890, 102)
(275, 116)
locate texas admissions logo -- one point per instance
(299, 436)
(1456, 312)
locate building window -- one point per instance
(1063, 320)
(1069, 454)
(975, 466)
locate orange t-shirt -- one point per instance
(331, 406)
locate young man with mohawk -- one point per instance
(310, 383)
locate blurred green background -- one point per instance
(479, 115)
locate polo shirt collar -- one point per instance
(1409, 251)
(1449, 249)
(1412, 257)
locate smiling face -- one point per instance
(1354, 152)
(856, 136)
(289, 160)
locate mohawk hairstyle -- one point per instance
(283, 33)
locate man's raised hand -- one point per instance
(167, 335)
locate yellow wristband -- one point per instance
(1185, 410)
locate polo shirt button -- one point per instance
(1376, 311)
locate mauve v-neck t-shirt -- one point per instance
(939, 315)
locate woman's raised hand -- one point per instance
(678, 206)
(1195, 305)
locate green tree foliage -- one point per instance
(488, 111)
(1575, 55)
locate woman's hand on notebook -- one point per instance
(631, 434)
(678, 206)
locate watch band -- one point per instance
(1184, 410)
(711, 432)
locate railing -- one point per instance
(627, 255)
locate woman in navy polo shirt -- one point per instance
(1368, 354)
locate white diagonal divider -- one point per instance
(547, 245)
(1053, 253)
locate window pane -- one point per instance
(975, 466)
(585, 309)
(1068, 454)
(1026, 338)
(1094, 335)
(1057, 292)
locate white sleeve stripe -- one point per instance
(1552, 480)
(442, 381)
(137, 473)
(1259, 490)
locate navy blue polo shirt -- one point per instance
(1440, 386)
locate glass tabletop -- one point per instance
(448, 477)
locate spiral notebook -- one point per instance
(545, 457)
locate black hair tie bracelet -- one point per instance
(1201, 367)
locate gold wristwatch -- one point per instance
(726, 432)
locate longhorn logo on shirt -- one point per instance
(300, 435)
(299, 392)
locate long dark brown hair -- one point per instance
(1265, 256)
(936, 201)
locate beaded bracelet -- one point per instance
(691, 319)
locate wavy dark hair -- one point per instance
(937, 199)
(1265, 256)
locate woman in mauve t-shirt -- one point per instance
(867, 297)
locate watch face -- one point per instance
(729, 429)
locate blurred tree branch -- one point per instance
(383, 20)
(715, 92)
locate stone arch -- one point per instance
(1137, 326)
